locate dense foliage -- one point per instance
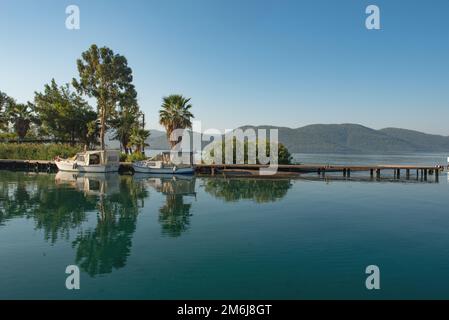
(37, 151)
(106, 77)
(135, 156)
(65, 116)
(284, 156)
(60, 114)
(5, 105)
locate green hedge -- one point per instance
(36, 151)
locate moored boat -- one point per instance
(162, 164)
(158, 167)
(100, 161)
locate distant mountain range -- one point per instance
(343, 138)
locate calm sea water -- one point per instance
(145, 237)
(428, 159)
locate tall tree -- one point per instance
(175, 114)
(5, 104)
(106, 77)
(65, 115)
(22, 116)
(125, 120)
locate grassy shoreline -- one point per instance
(37, 151)
(48, 151)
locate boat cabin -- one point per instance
(97, 157)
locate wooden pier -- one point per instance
(345, 170)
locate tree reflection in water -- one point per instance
(15, 200)
(259, 190)
(108, 246)
(60, 205)
(174, 215)
(56, 211)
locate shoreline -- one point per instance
(252, 170)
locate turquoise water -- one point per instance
(206, 238)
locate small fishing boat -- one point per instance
(161, 164)
(100, 161)
(158, 167)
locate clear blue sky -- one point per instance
(286, 63)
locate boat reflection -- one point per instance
(93, 184)
(174, 215)
(168, 184)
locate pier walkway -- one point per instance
(345, 170)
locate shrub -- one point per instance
(123, 157)
(36, 151)
(136, 156)
(284, 156)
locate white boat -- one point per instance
(100, 161)
(162, 164)
(159, 167)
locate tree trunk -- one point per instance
(171, 143)
(103, 127)
(19, 130)
(174, 143)
(142, 146)
(72, 138)
(125, 145)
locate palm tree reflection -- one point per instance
(174, 215)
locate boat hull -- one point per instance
(72, 167)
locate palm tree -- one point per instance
(138, 138)
(123, 124)
(175, 114)
(21, 115)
